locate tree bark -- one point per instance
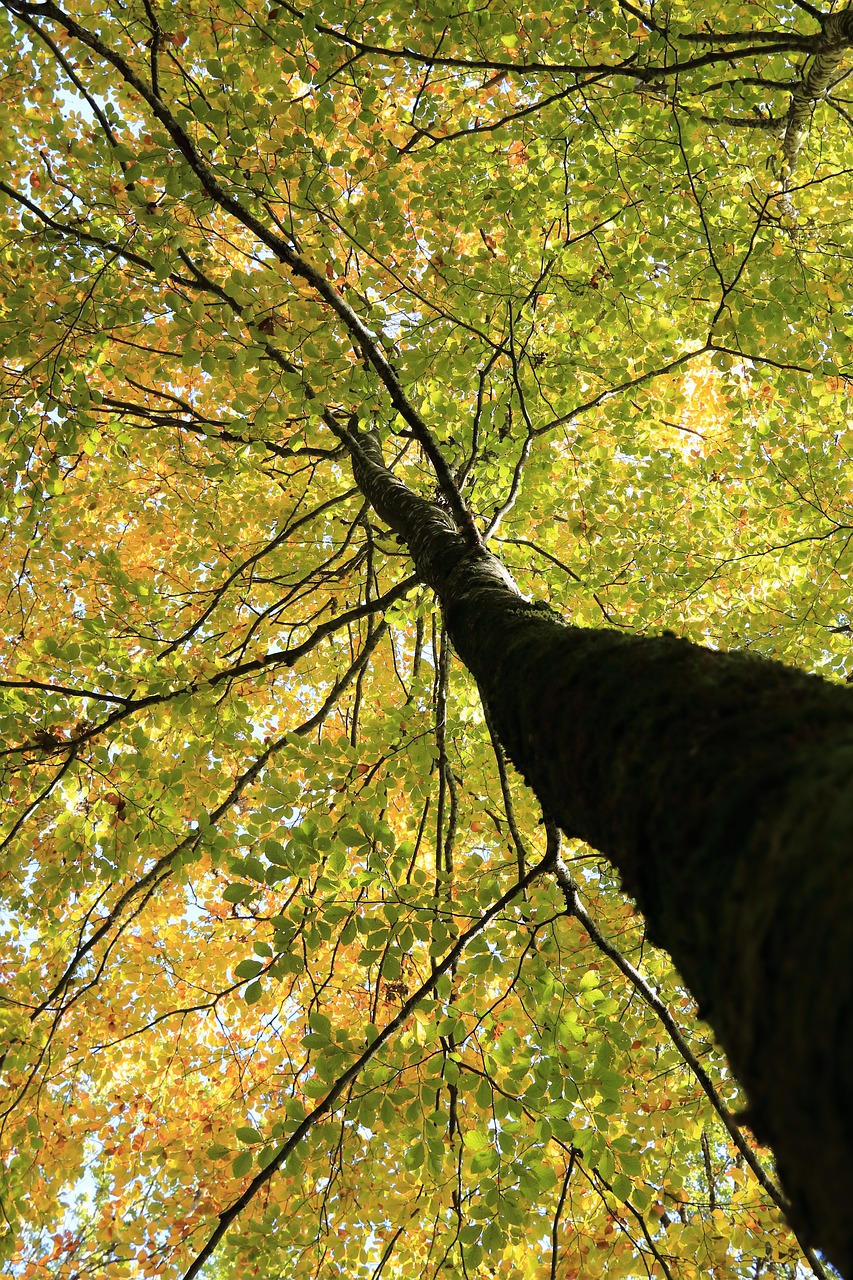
(720, 785)
(829, 49)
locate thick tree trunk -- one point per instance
(721, 787)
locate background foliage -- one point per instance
(252, 803)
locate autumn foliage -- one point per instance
(276, 940)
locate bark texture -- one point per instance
(823, 72)
(721, 787)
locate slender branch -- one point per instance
(635, 1213)
(192, 838)
(42, 795)
(515, 488)
(363, 339)
(156, 35)
(810, 10)
(386, 1253)
(546, 555)
(555, 1226)
(278, 658)
(627, 385)
(763, 42)
(506, 792)
(329, 1103)
(74, 232)
(654, 1002)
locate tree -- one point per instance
(308, 316)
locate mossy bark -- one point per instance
(721, 787)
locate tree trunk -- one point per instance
(720, 785)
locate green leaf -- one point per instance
(474, 1140)
(414, 1157)
(315, 1087)
(320, 1024)
(276, 853)
(247, 1134)
(242, 1164)
(314, 1041)
(237, 892)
